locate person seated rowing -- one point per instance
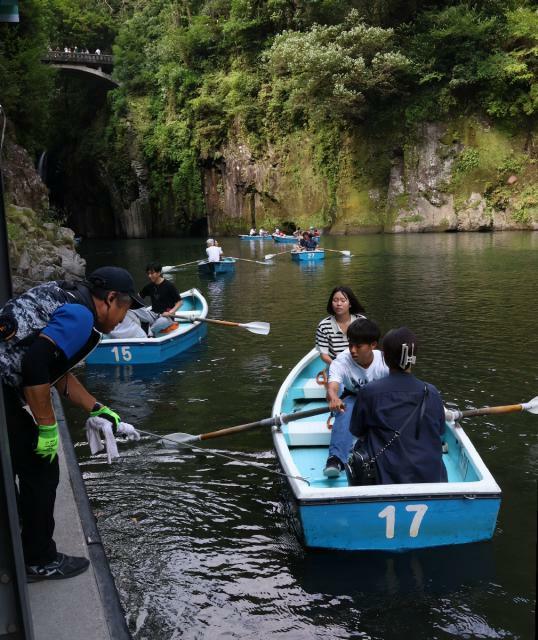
(306, 243)
(351, 370)
(165, 300)
(413, 453)
(214, 252)
(252, 232)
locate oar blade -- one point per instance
(261, 328)
(345, 252)
(168, 268)
(269, 256)
(531, 406)
(175, 440)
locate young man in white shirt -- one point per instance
(351, 370)
(214, 252)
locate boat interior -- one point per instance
(308, 438)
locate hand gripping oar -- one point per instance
(260, 328)
(180, 439)
(451, 415)
(171, 267)
(247, 260)
(270, 256)
(344, 252)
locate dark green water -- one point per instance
(201, 546)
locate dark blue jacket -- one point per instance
(382, 407)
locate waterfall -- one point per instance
(42, 166)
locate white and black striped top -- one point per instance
(329, 337)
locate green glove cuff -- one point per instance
(106, 412)
(47, 441)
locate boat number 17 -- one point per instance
(122, 354)
(389, 513)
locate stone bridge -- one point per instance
(99, 65)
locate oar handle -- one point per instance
(194, 318)
(486, 411)
(284, 418)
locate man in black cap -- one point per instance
(43, 334)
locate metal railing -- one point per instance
(85, 58)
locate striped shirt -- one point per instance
(330, 339)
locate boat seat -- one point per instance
(310, 389)
(307, 433)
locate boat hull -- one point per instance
(136, 351)
(330, 514)
(227, 265)
(286, 239)
(308, 256)
(247, 237)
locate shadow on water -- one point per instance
(439, 570)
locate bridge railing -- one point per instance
(87, 58)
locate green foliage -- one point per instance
(468, 160)
(331, 71)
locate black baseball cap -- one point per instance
(116, 279)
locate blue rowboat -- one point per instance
(330, 514)
(247, 237)
(135, 351)
(226, 265)
(286, 239)
(308, 256)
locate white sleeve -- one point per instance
(337, 370)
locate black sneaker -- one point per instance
(63, 567)
(333, 467)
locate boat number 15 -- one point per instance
(122, 353)
(389, 513)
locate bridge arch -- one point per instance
(99, 65)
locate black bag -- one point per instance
(361, 468)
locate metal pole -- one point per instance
(15, 619)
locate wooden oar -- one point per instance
(247, 260)
(451, 415)
(344, 252)
(261, 328)
(179, 439)
(171, 267)
(270, 256)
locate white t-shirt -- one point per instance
(347, 372)
(213, 254)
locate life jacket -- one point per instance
(28, 314)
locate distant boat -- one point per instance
(291, 239)
(248, 237)
(226, 265)
(133, 351)
(285, 239)
(308, 256)
(330, 514)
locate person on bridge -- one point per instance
(44, 333)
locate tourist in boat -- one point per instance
(44, 333)
(343, 308)
(306, 243)
(351, 370)
(252, 232)
(263, 232)
(414, 454)
(214, 252)
(165, 300)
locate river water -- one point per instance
(201, 547)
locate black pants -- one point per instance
(38, 480)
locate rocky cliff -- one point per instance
(462, 176)
(40, 250)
